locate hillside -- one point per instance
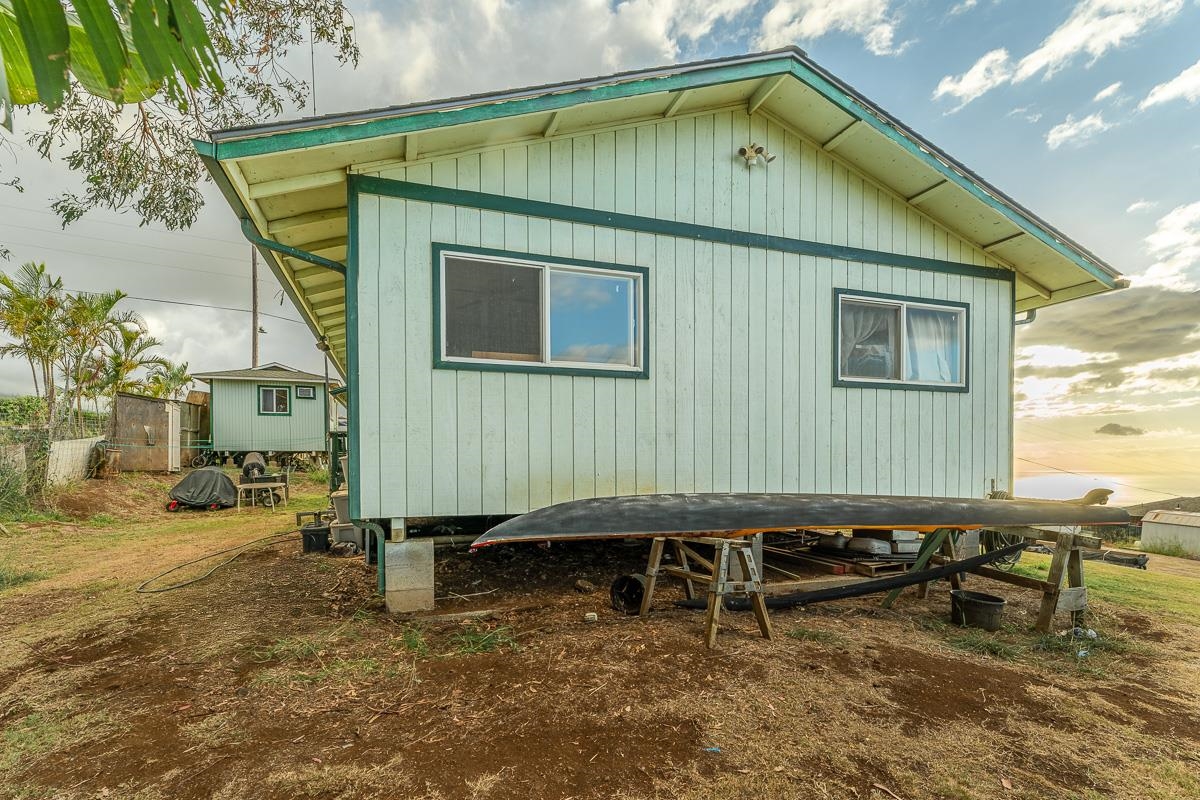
(1170, 504)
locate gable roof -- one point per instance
(288, 182)
(268, 372)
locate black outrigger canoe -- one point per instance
(735, 515)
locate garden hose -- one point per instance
(278, 536)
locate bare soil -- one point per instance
(280, 676)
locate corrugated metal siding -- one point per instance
(1181, 518)
(740, 396)
(237, 425)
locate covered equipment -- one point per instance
(205, 488)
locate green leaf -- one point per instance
(193, 36)
(43, 26)
(105, 41)
(153, 44)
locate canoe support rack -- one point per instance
(694, 569)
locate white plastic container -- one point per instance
(341, 505)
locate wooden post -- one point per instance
(689, 586)
(931, 545)
(656, 551)
(716, 593)
(1058, 567)
(758, 602)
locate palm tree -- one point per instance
(128, 349)
(88, 317)
(31, 312)
(168, 380)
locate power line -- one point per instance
(139, 245)
(128, 260)
(208, 305)
(89, 220)
(1091, 477)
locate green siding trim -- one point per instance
(258, 398)
(685, 230)
(481, 366)
(900, 385)
(353, 415)
(853, 106)
(337, 133)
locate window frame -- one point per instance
(276, 387)
(905, 302)
(640, 323)
(311, 389)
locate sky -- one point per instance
(1085, 111)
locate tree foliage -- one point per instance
(79, 346)
(135, 149)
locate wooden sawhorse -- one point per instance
(715, 575)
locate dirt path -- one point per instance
(280, 677)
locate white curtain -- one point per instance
(933, 346)
(859, 322)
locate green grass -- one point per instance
(44, 731)
(1173, 549)
(413, 640)
(288, 649)
(1137, 589)
(810, 635)
(481, 640)
(12, 577)
(102, 520)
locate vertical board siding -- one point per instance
(237, 425)
(740, 395)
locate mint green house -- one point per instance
(272, 409)
(732, 275)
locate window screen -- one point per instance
(493, 310)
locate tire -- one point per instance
(199, 461)
(173, 506)
(275, 498)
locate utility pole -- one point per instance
(253, 306)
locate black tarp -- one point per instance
(204, 487)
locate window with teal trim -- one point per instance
(885, 340)
(509, 311)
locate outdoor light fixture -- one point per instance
(755, 154)
(323, 345)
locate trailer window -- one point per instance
(903, 341)
(506, 312)
(274, 400)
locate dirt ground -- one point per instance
(280, 676)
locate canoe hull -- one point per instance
(734, 515)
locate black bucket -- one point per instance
(976, 609)
(626, 593)
(316, 538)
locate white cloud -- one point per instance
(791, 21)
(1138, 206)
(1093, 28)
(1076, 131)
(1175, 244)
(1184, 86)
(963, 7)
(417, 51)
(1107, 92)
(988, 72)
(1025, 113)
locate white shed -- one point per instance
(1170, 530)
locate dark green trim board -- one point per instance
(363, 184)
(297, 395)
(534, 259)
(335, 133)
(353, 414)
(258, 387)
(849, 383)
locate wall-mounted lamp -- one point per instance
(755, 154)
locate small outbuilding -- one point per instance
(271, 409)
(736, 275)
(1164, 531)
(155, 434)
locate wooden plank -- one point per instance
(418, 377)
(1058, 568)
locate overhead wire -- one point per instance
(208, 305)
(1094, 478)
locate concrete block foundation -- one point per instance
(408, 575)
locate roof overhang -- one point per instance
(287, 181)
